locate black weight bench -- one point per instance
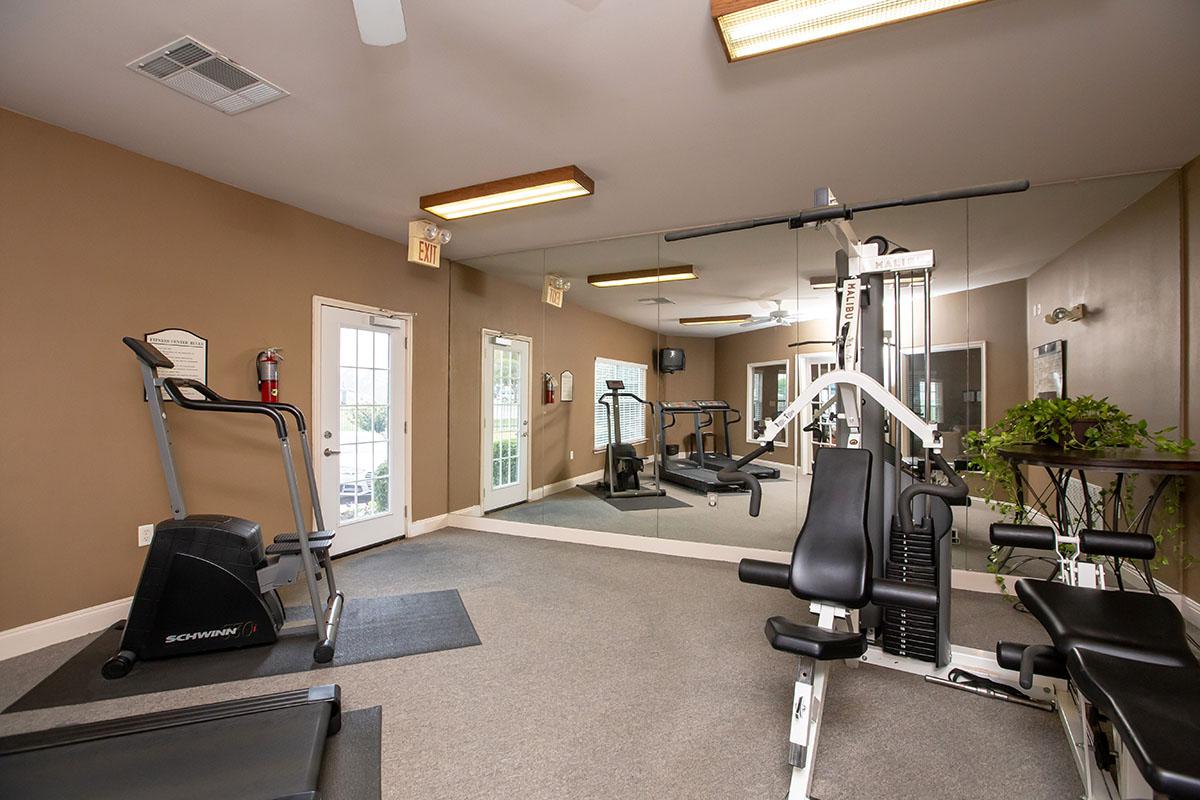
(831, 567)
(1126, 656)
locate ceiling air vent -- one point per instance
(204, 74)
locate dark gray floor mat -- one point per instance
(372, 628)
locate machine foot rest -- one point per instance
(313, 536)
(293, 548)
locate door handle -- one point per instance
(329, 452)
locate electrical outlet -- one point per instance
(1037, 309)
(145, 534)
(572, 458)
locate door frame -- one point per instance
(803, 362)
(749, 417)
(485, 471)
(410, 332)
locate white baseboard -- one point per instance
(620, 541)
(974, 581)
(1191, 612)
(469, 511)
(35, 635)
(427, 525)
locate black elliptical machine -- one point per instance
(208, 583)
(622, 464)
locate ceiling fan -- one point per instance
(777, 317)
(380, 22)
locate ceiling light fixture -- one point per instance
(523, 190)
(727, 319)
(754, 27)
(684, 272)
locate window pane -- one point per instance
(348, 430)
(366, 352)
(381, 351)
(349, 389)
(348, 357)
(366, 386)
(364, 463)
(381, 422)
(381, 387)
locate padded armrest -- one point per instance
(1031, 537)
(919, 597)
(765, 573)
(1008, 655)
(1119, 544)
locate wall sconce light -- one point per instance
(1073, 314)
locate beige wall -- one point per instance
(695, 382)
(1127, 272)
(1128, 349)
(97, 243)
(1191, 285)
(567, 338)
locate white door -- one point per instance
(811, 367)
(505, 450)
(359, 440)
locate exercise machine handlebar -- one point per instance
(846, 211)
(733, 474)
(214, 402)
(955, 491)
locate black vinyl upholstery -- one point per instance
(1142, 627)
(814, 642)
(1155, 709)
(831, 562)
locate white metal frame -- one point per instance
(749, 416)
(485, 462)
(410, 332)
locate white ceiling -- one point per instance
(636, 93)
(1009, 237)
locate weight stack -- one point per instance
(918, 557)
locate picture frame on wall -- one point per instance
(1050, 370)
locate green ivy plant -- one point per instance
(1075, 423)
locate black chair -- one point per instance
(831, 568)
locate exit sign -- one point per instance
(552, 294)
(421, 250)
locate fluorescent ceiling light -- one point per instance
(523, 190)
(753, 27)
(653, 275)
(727, 319)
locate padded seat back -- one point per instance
(831, 561)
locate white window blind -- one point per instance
(633, 414)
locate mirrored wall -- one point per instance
(665, 361)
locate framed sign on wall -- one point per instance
(187, 350)
(1050, 370)
(567, 384)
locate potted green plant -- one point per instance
(1082, 423)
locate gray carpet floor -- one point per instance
(613, 674)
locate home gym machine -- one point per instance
(208, 583)
(855, 515)
(622, 464)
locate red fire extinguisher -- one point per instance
(268, 373)
(549, 387)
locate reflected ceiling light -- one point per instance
(523, 190)
(726, 319)
(753, 27)
(684, 272)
